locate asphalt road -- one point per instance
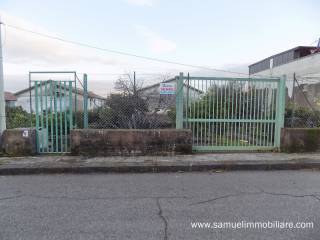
(158, 206)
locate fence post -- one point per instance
(85, 101)
(280, 109)
(179, 102)
(283, 99)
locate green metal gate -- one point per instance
(55, 103)
(231, 113)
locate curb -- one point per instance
(163, 168)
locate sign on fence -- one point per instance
(167, 88)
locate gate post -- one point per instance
(179, 101)
(85, 101)
(283, 99)
(280, 109)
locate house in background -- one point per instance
(10, 99)
(164, 102)
(23, 97)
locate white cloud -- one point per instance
(26, 48)
(146, 3)
(156, 43)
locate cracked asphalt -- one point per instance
(158, 206)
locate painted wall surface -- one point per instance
(308, 66)
(23, 100)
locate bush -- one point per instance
(127, 112)
(302, 117)
(16, 117)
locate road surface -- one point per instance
(158, 206)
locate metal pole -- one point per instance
(85, 101)
(293, 103)
(179, 102)
(280, 110)
(134, 83)
(2, 100)
(30, 99)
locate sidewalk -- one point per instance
(196, 162)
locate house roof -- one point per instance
(79, 91)
(167, 81)
(8, 96)
(292, 49)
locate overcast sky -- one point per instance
(220, 34)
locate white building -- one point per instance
(303, 61)
(23, 97)
(163, 102)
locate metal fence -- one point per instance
(303, 103)
(232, 113)
(133, 105)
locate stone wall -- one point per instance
(130, 142)
(300, 140)
(19, 142)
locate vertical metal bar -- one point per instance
(213, 112)
(272, 115)
(75, 100)
(210, 115)
(56, 117)
(47, 120)
(37, 115)
(193, 114)
(236, 116)
(261, 113)
(293, 102)
(217, 112)
(85, 101)
(30, 99)
(243, 115)
(232, 112)
(250, 113)
(265, 100)
(278, 104)
(65, 116)
(247, 113)
(280, 110)
(61, 116)
(205, 112)
(258, 114)
(228, 113)
(51, 115)
(201, 114)
(198, 109)
(224, 112)
(221, 113)
(268, 114)
(185, 117)
(179, 102)
(261, 116)
(41, 117)
(70, 108)
(240, 107)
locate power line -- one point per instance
(120, 52)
